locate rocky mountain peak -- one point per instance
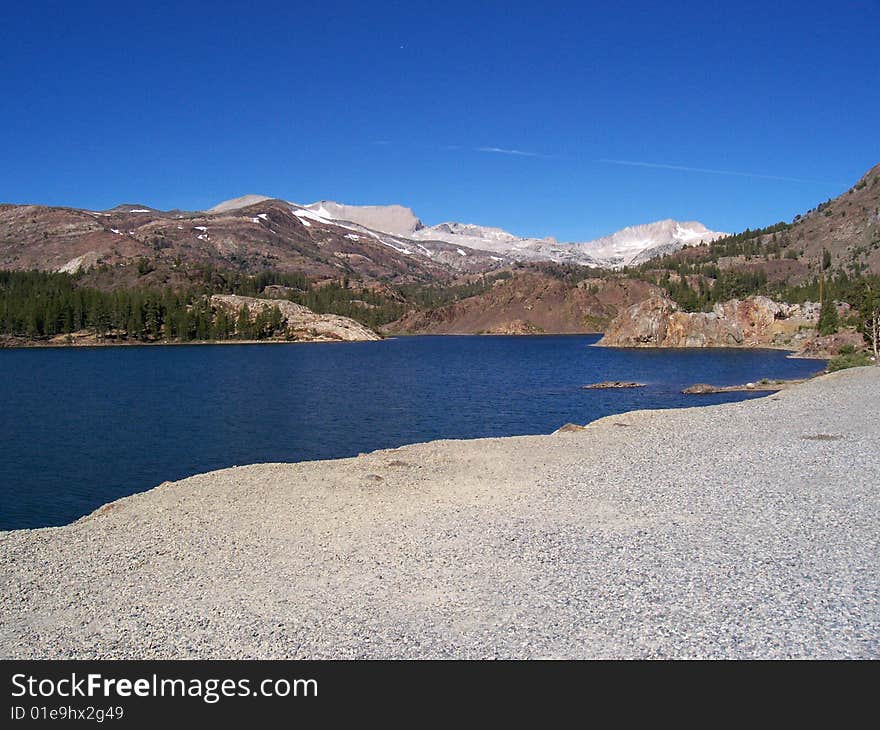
(235, 203)
(395, 219)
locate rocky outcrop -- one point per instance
(658, 322)
(300, 322)
(515, 327)
(828, 346)
(752, 322)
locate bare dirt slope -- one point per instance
(531, 302)
(847, 226)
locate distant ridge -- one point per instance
(630, 245)
(236, 203)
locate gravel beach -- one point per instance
(741, 531)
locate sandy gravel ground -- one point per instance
(744, 530)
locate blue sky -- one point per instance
(527, 116)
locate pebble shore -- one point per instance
(747, 530)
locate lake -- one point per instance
(84, 426)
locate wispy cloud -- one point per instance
(684, 168)
(502, 151)
(458, 147)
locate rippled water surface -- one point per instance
(82, 427)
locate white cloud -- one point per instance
(502, 151)
(635, 163)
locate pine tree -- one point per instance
(151, 318)
(275, 321)
(243, 323)
(261, 324)
(220, 326)
(828, 318)
(868, 293)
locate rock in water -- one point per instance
(700, 389)
(569, 428)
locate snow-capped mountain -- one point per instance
(501, 242)
(399, 227)
(409, 235)
(636, 244)
(626, 247)
(629, 246)
(384, 220)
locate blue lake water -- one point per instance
(82, 427)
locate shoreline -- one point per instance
(95, 345)
(709, 531)
(39, 345)
(760, 386)
(792, 353)
(767, 390)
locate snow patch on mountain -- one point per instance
(398, 227)
(626, 247)
(636, 244)
(311, 215)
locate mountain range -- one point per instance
(135, 244)
(629, 246)
(324, 240)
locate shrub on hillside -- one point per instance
(849, 360)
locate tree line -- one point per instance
(36, 305)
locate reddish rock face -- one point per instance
(642, 325)
(751, 322)
(753, 315)
(831, 345)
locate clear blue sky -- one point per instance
(186, 104)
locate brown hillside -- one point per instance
(263, 236)
(531, 302)
(847, 226)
